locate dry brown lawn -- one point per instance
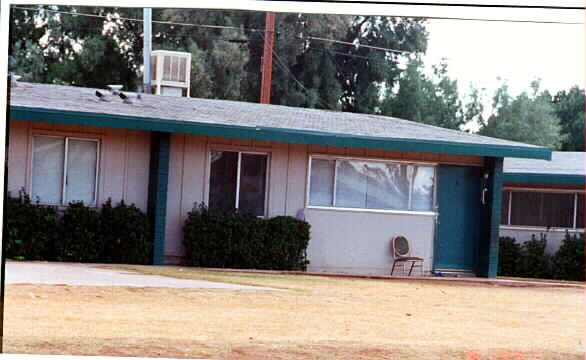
(311, 318)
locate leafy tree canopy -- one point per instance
(430, 99)
(569, 107)
(530, 117)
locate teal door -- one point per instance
(459, 223)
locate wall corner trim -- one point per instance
(157, 194)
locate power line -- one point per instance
(262, 30)
(205, 26)
(409, 3)
(285, 68)
(359, 45)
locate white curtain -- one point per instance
(81, 171)
(47, 177)
(422, 185)
(351, 184)
(321, 184)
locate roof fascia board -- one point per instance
(545, 178)
(273, 134)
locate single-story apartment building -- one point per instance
(358, 179)
(544, 197)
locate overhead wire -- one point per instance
(281, 63)
(446, 4)
(113, 18)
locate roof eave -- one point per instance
(274, 134)
(533, 178)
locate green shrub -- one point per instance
(203, 233)
(509, 255)
(236, 240)
(287, 240)
(568, 261)
(533, 261)
(30, 228)
(79, 237)
(125, 232)
(119, 234)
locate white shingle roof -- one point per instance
(562, 163)
(251, 115)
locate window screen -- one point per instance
(233, 173)
(505, 208)
(81, 171)
(558, 210)
(253, 176)
(50, 165)
(542, 209)
(47, 177)
(381, 185)
(422, 188)
(321, 184)
(351, 184)
(223, 177)
(526, 208)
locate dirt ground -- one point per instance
(314, 318)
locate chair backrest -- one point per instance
(400, 246)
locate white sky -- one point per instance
(478, 52)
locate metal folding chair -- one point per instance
(402, 255)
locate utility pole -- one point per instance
(267, 59)
(147, 48)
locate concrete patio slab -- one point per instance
(92, 275)
(76, 357)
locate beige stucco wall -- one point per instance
(123, 164)
(342, 241)
(359, 242)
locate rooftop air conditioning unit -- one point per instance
(171, 72)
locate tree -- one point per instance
(76, 50)
(432, 100)
(364, 72)
(569, 107)
(226, 63)
(528, 118)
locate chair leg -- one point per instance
(393, 269)
(411, 269)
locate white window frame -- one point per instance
(354, 158)
(574, 228)
(240, 152)
(63, 202)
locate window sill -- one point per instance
(540, 229)
(377, 211)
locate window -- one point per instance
(64, 170)
(238, 180)
(543, 209)
(505, 207)
(381, 185)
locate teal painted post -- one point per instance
(488, 254)
(158, 185)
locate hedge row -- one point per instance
(115, 234)
(530, 260)
(237, 240)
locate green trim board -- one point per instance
(488, 250)
(565, 179)
(275, 134)
(157, 192)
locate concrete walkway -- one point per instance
(90, 275)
